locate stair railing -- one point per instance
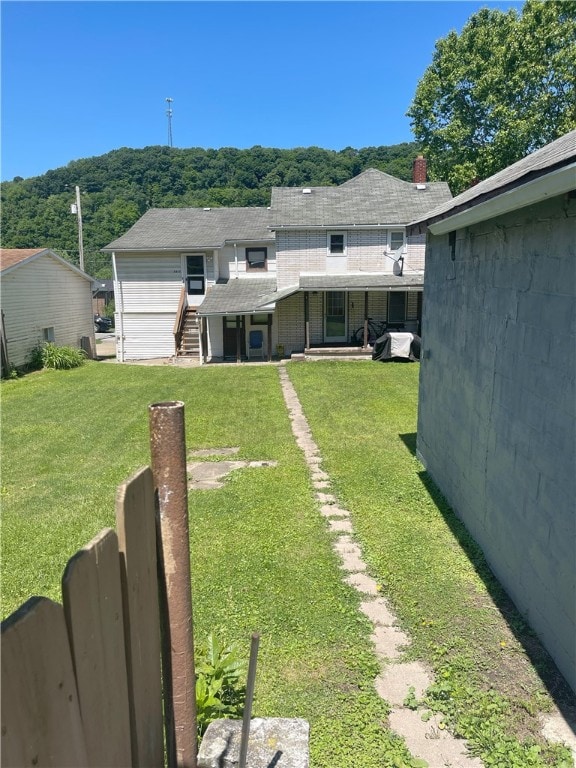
(180, 317)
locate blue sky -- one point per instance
(80, 79)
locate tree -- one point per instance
(501, 89)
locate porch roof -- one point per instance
(361, 282)
(242, 296)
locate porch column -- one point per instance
(306, 320)
(365, 319)
(269, 335)
(238, 342)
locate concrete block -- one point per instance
(274, 741)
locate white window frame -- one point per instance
(400, 250)
(48, 334)
(344, 235)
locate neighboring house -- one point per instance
(44, 298)
(307, 271)
(103, 294)
(496, 420)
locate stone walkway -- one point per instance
(427, 740)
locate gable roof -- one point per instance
(371, 198)
(520, 184)
(184, 228)
(12, 258)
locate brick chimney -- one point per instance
(419, 170)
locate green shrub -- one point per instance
(49, 355)
(219, 692)
(11, 372)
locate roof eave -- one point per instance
(546, 185)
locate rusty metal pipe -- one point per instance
(168, 454)
(251, 682)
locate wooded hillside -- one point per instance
(117, 188)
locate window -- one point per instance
(396, 307)
(48, 333)
(195, 280)
(256, 258)
(396, 241)
(337, 243)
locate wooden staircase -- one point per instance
(189, 345)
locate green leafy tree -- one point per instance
(501, 89)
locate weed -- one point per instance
(219, 692)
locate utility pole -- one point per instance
(77, 209)
(169, 114)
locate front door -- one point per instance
(335, 316)
(230, 334)
(195, 277)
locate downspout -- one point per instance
(120, 306)
(236, 259)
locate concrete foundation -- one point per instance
(275, 742)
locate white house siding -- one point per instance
(147, 290)
(415, 253)
(367, 251)
(298, 252)
(232, 261)
(305, 251)
(44, 293)
(157, 341)
(148, 282)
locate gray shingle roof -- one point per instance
(359, 282)
(181, 228)
(238, 296)
(373, 197)
(245, 295)
(554, 155)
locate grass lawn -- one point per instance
(261, 554)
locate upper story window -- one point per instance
(256, 258)
(337, 243)
(396, 240)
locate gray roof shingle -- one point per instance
(360, 282)
(238, 296)
(556, 154)
(246, 295)
(181, 228)
(372, 197)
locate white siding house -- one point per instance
(44, 298)
(308, 271)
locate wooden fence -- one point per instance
(81, 680)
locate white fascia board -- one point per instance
(551, 185)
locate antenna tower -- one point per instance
(169, 115)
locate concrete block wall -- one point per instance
(496, 422)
